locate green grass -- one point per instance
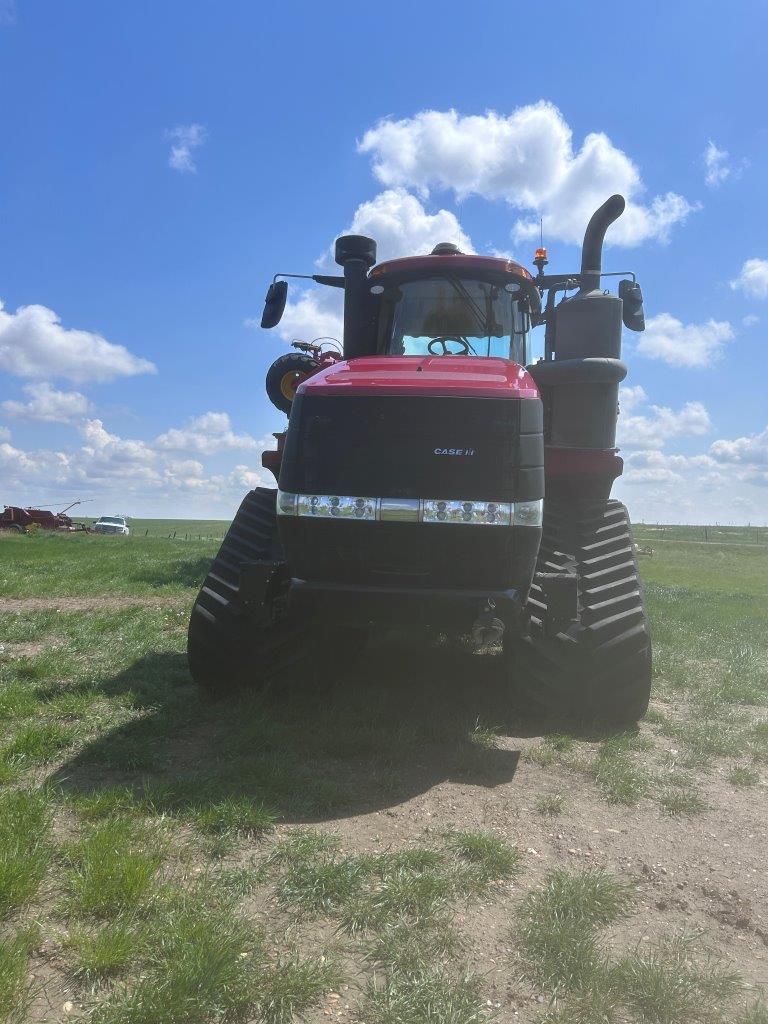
(665, 986)
(556, 928)
(434, 995)
(15, 984)
(619, 776)
(679, 802)
(94, 954)
(204, 962)
(111, 870)
(550, 804)
(150, 787)
(25, 851)
(489, 855)
(743, 777)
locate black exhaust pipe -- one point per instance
(356, 254)
(592, 249)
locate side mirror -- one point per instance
(274, 304)
(632, 314)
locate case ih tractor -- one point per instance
(429, 476)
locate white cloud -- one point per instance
(401, 227)
(716, 165)
(744, 451)
(48, 404)
(5, 434)
(679, 344)
(184, 139)
(652, 429)
(212, 432)
(750, 320)
(527, 159)
(752, 279)
(632, 397)
(33, 343)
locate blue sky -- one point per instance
(161, 161)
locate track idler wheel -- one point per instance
(285, 375)
(596, 668)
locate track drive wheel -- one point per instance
(285, 375)
(599, 668)
(225, 649)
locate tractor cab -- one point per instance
(449, 303)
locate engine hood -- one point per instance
(434, 376)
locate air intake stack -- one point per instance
(580, 384)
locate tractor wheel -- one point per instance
(285, 375)
(225, 649)
(598, 669)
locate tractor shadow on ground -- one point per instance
(326, 742)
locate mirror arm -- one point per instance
(331, 281)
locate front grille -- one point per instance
(393, 446)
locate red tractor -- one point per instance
(429, 476)
(18, 519)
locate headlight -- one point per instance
(426, 510)
(332, 506)
(528, 513)
(484, 513)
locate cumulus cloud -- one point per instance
(679, 344)
(49, 405)
(745, 451)
(33, 343)
(184, 139)
(402, 227)
(752, 279)
(526, 158)
(212, 432)
(716, 165)
(655, 425)
(5, 434)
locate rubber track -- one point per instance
(599, 670)
(224, 649)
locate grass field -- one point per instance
(381, 842)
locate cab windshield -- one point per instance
(449, 315)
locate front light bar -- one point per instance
(411, 510)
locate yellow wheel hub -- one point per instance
(290, 382)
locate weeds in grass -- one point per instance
(550, 804)
(758, 742)
(679, 802)
(111, 870)
(303, 844)
(542, 755)
(741, 776)
(24, 848)
(757, 1013)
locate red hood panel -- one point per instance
(459, 376)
